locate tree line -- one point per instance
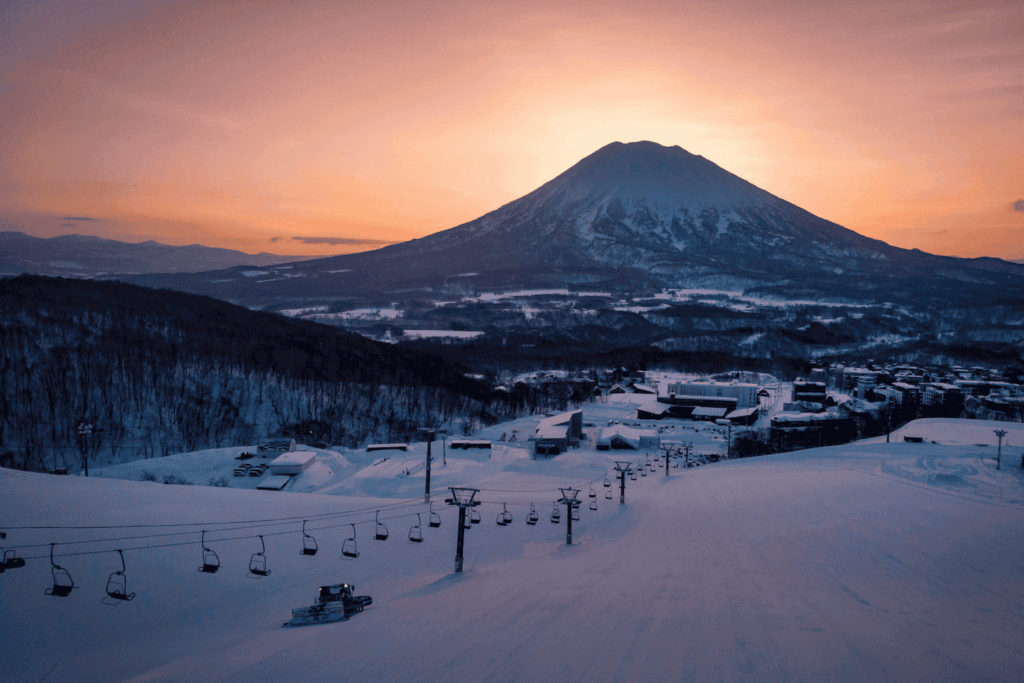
(158, 372)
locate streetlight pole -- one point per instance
(728, 439)
(429, 432)
(888, 417)
(999, 454)
(84, 432)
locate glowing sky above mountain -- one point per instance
(327, 127)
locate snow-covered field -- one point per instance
(852, 563)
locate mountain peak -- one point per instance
(669, 177)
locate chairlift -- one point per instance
(467, 523)
(608, 494)
(533, 516)
(62, 581)
(556, 516)
(593, 504)
(574, 514)
(632, 475)
(349, 547)
(607, 482)
(381, 530)
(474, 516)
(435, 519)
(117, 587)
(416, 532)
(10, 558)
(593, 493)
(643, 471)
(258, 563)
(211, 563)
(506, 515)
(309, 546)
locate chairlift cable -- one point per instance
(297, 518)
(234, 526)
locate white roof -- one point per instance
(803, 417)
(555, 420)
(552, 431)
(743, 412)
(274, 482)
(704, 411)
(293, 458)
(630, 435)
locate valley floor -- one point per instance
(850, 563)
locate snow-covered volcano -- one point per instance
(634, 216)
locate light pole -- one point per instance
(999, 454)
(728, 439)
(888, 417)
(84, 432)
(428, 432)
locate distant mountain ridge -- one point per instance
(637, 216)
(86, 256)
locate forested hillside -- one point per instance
(158, 372)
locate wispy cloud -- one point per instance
(340, 240)
(1018, 205)
(79, 218)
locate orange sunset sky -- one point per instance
(329, 127)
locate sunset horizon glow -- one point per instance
(325, 128)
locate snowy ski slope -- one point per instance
(852, 563)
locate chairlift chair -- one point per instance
(258, 563)
(211, 563)
(62, 581)
(506, 516)
(574, 514)
(349, 547)
(416, 532)
(608, 494)
(435, 519)
(11, 560)
(607, 482)
(381, 530)
(474, 516)
(593, 504)
(309, 546)
(632, 475)
(117, 586)
(533, 516)
(556, 515)
(593, 493)
(643, 471)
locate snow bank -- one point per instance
(828, 564)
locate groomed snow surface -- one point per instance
(852, 563)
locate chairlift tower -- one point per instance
(569, 500)
(623, 467)
(686, 446)
(462, 497)
(670, 450)
(999, 454)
